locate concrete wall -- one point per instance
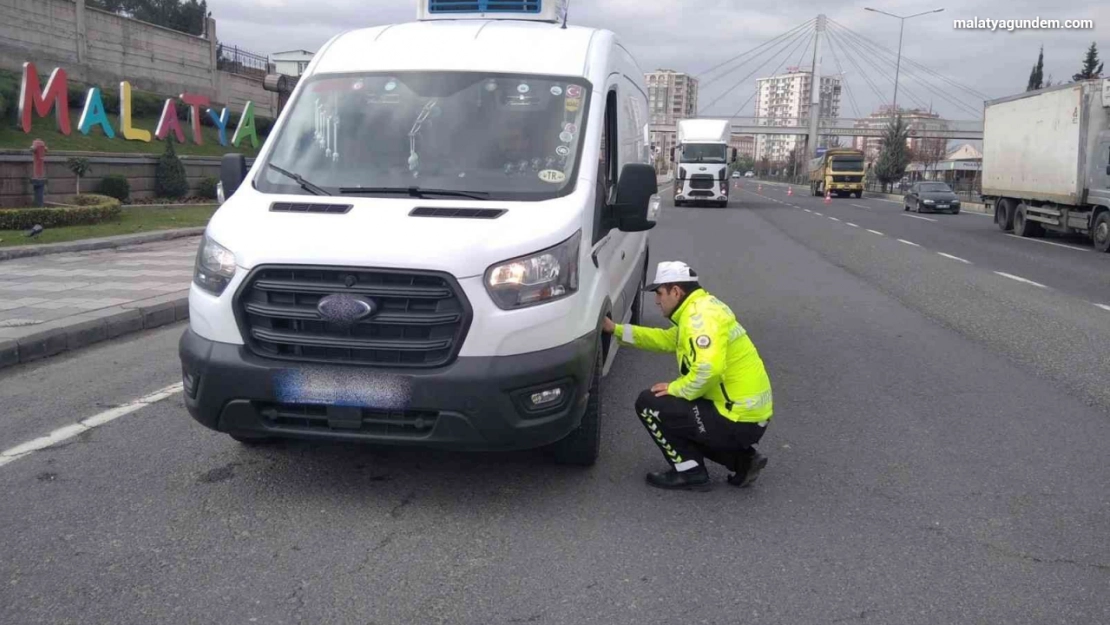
(15, 175)
(104, 48)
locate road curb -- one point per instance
(98, 244)
(53, 338)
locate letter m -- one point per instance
(56, 95)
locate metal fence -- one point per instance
(235, 60)
(966, 190)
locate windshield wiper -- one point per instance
(306, 185)
(416, 192)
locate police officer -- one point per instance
(720, 406)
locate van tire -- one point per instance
(583, 445)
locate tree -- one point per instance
(764, 166)
(170, 180)
(1036, 77)
(187, 16)
(79, 167)
(1047, 82)
(1092, 68)
(894, 155)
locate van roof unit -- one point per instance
(554, 11)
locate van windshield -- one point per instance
(704, 153)
(503, 137)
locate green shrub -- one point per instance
(3, 106)
(169, 178)
(207, 187)
(90, 209)
(116, 186)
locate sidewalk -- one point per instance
(59, 302)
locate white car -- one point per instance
(735, 174)
(750, 174)
(425, 249)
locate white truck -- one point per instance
(702, 161)
(1046, 161)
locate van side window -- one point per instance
(606, 167)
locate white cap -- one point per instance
(670, 271)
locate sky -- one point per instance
(694, 36)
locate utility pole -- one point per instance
(898, 63)
(815, 90)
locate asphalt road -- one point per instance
(937, 456)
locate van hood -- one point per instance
(382, 232)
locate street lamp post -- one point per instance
(898, 65)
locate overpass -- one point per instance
(866, 127)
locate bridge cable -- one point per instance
(887, 74)
(914, 78)
(847, 87)
(739, 56)
(912, 63)
(797, 37)
(773, 73)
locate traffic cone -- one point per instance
(828, 197)
(790, 190)
(761, 188)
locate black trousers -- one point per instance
(689, 432)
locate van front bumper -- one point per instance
(474, 404)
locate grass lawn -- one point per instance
(13, 138)
(133, 219)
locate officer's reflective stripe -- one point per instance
(756, 401)
(701, 378)
(686, 466)
(736, 332)
(627, 335)
(650, 417)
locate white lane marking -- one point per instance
(818, 214)
(875, 232)
(966, 262)
(1103, 306)
(807, 210)
(1020, 279)
(1069, 247)
(866, 208)
(851, 224)
(69, 431)
(919, 217)
(908, 242)
(834, 218)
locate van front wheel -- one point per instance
(582, 446)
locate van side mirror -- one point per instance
(233, 170)
(635, 189)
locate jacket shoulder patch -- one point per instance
(702, 341)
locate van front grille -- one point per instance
(420, 318)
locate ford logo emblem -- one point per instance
(344, 309)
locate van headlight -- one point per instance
(215, 266)
(545, 276)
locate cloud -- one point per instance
(696, 35)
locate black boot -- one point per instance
(747, 474)
(694, 478)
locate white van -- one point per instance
(426, 246)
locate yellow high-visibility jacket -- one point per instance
(716, 358)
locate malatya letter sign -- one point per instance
(32, 97)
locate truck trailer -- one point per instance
(702, 161)
(1046, 161)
